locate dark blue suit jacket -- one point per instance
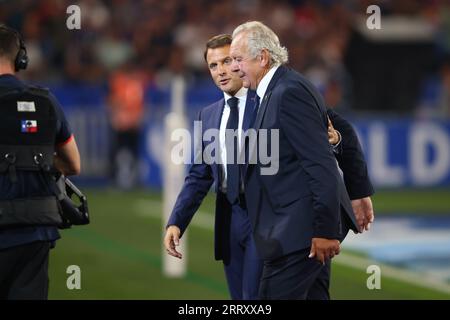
(351, 159)
(201, 177)
(307, 197)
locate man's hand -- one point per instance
(172, 240)
(333, 135)
(324, 249)
(363, 210)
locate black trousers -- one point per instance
(295, 277)
(24, 272)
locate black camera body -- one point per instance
(71, 212)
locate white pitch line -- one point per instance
(153, 209)
(415, 278)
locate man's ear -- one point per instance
(264, 58)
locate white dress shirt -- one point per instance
(242, 96)
(262, 86)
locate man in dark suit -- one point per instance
(233, 237)
(234, 242)
(300, 212)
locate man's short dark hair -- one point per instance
(218, 41)
(9, 43)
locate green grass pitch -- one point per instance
(120, 255)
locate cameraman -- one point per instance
(34, 138)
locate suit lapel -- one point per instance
(217, 116)
(215, 124)
(262, 109)
(258, 121)
(265, 100)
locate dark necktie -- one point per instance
(255, 111)
(233, 147)
(246, 141)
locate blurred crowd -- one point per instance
(160, 39)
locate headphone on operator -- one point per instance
(21, 60)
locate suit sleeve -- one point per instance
(351, 159)
(195, 187)
(304, 125)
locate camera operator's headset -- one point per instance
(21, 61)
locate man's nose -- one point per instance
(235, 66)
(222, 70)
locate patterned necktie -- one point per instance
(231, 143)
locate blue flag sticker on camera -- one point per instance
(29, 126)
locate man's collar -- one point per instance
(262, 86)
(9, 80)
(242, 93)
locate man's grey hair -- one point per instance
(261, 37)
